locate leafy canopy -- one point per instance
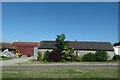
(116, 44)
(61, 43)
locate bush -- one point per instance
(73, 58)
(62, 60)
(68, 58)
(56, 55)
(39, 58)
(116, 57)
(47, 56)
(78, 59)
(89, 57)
(101, 56)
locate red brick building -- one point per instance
(26, 48)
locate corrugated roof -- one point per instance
(25, 47)
(79, 45)
(27, 44)
(6, 45)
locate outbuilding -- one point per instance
(117, 50)
(26, 48)
(81, 47)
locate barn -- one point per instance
(26, 48)
(81, 47)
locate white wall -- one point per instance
(82, 52)
(117, 50)
(111, 54)
(43, 51)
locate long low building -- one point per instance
(80, 47)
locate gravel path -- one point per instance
(14, 61)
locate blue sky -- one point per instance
(81, 21)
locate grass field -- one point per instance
(62, 73)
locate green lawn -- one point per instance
(62, 73)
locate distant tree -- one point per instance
(116, 44)
(61, 43)
(62, 51)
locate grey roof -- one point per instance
(79, 45)
(6, 45)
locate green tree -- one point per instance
(116, 44)
(63, 48)
(60, 42)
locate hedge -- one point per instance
(89, 57)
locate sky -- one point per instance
(81, 21)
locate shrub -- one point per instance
(56, 55)
(62, 60)
(68, 54)
(68, 58)
(88, 57)
(39, 58)
(47, 56)
(101, 56)
(78, 59)
(73, 58)
(116, 57)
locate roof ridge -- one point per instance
(76, 41)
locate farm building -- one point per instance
(117, 50)
(7, 50)
(26, 48)
(4, 45)
(81, 48)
